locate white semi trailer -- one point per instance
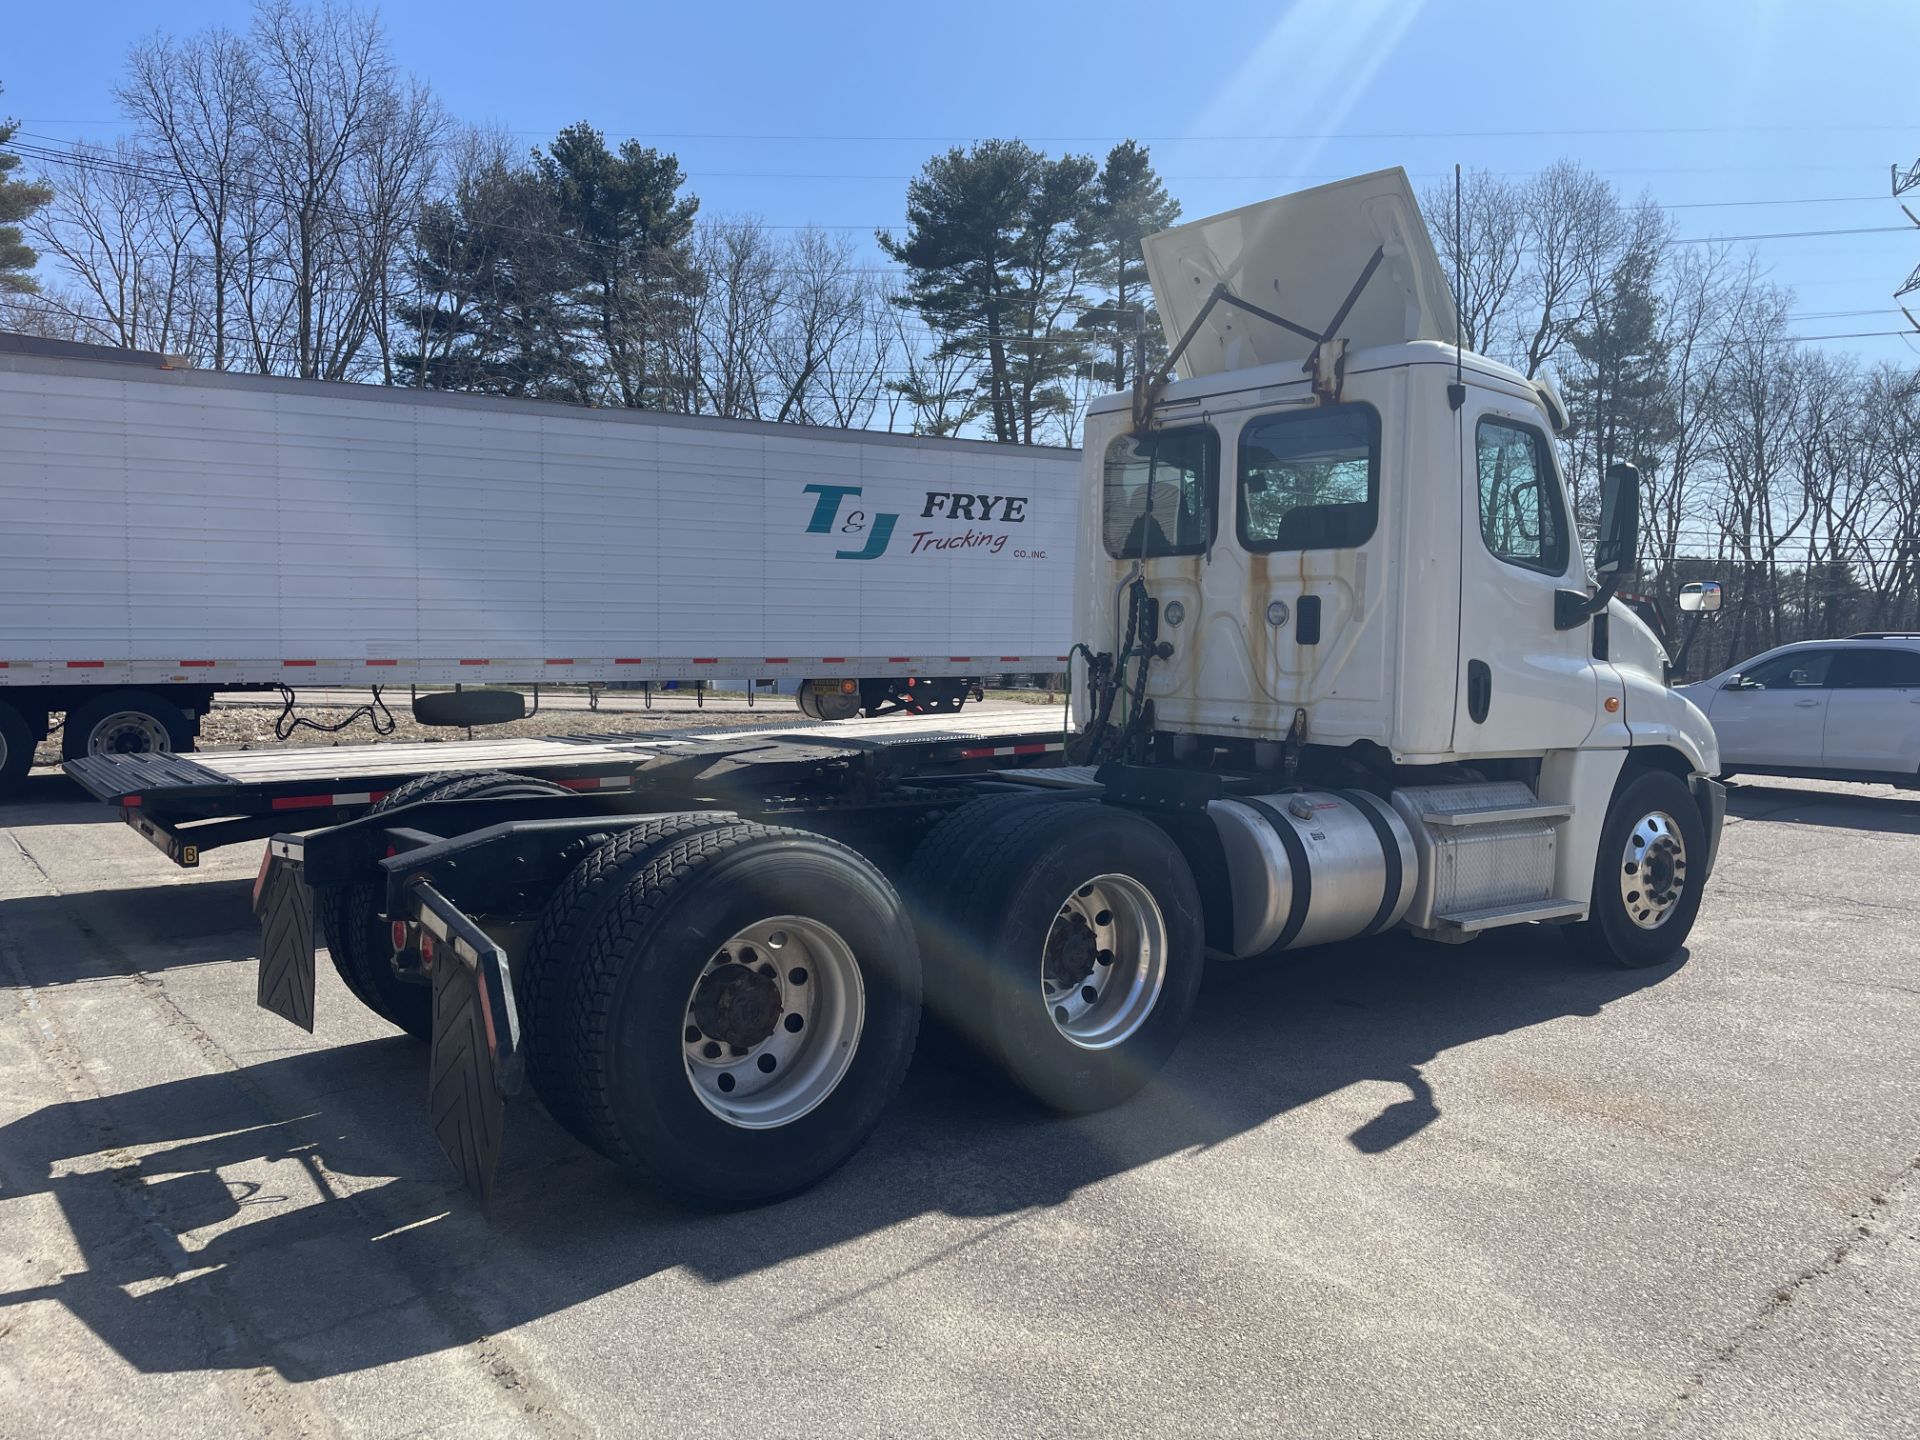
(168, 533)
(1341, 669)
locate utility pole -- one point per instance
(1902, 183)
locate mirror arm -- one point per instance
(1571, 608)
(1686, 645)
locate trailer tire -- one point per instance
(126, 722)
(666, 956)
(1037, 891)
(358, 939)
(16, 750)
(825, 700)
(1653, 829)
(541, 987)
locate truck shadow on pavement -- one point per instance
(48, 797)
(1850, 808)
(250, 1218)
(174, 925)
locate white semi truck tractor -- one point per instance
(1342, 669)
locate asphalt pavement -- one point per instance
(1391, 1189)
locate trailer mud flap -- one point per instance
(477, 1062)
(284, 905)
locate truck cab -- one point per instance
(1360, 555)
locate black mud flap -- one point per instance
(285, 907)
(477, 1062)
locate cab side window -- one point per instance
(1876, 670)
(1310, 479)
(1159, 493)
(1520, 506)
(1796, 670)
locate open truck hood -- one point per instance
(1299, 256)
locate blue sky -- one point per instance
(819, 113)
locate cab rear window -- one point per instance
(1310, 479)
(1158, 495)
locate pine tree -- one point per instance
(1619, 394)
(998, 253)
(18, 200)
(628, 233)
(493, 282)
(1130, 202)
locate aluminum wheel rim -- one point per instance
(1653, 870)
(1104, 961)
(773, 1022)
(129, 732)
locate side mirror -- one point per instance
(1619, 543)
(1700, 597)
(1613, 553)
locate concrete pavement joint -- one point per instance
(1876, 1213)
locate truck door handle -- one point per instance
(1479, 691)
(1805, 704)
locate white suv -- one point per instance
(1834, 709)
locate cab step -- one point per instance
(1519, 912)
(1542, 811)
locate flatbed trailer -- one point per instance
(185, 805)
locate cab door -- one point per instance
(1522, 684)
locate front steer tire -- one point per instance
(1001, 885)
(1611, 934)
(622, 1048)
(360, 942)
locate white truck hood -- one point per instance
(1299, 256)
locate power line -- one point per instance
(1831, 127)
(93, 158)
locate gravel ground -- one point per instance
(250, 727)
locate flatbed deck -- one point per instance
(185, 804)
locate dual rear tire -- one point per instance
(723, 1007)
(727, 1008)
(1063, 942)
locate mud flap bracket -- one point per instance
(477, 1061)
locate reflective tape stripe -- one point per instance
(327, 802)
(599, 782)
(988, 752)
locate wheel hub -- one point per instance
(773, 1022)
(1653, 870)
(737, 1006)
(128, 732)
(1072, 951)
(1104, 961)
